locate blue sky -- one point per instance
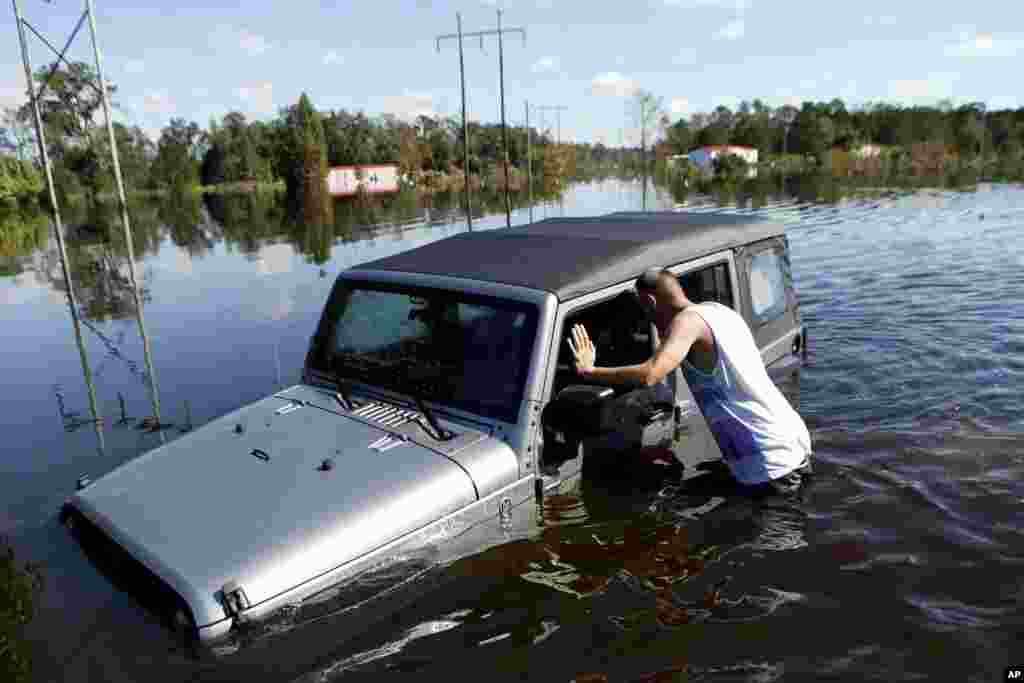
(201, 60)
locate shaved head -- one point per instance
(659, 282)
(661, 294)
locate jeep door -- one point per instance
(770, 305)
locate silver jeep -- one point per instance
(438, 401)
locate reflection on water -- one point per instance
(902, 561)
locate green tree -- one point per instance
(135, 153)
(648, 110)
(176, 165)
(730, 166)
(678, 137)
(307, 177)
(18, 179)
(68, 107)
(814, 131)
(970, 129)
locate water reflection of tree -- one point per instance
(247, 221)
(182, 214)
(309, 228)
(21, 234)
(98, 260)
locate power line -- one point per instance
(558, 108)
(102, 89)
(465, 123)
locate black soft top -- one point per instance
(570, 257)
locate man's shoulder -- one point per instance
(714, 309)
(691, 318)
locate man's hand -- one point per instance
(583, 349)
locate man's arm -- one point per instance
(682, 333)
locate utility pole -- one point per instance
(504, 128)
(465, 126)
(465, 122)
(529, 159)
(558, 108)
(44, 158)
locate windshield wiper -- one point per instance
(342, 393)
(404, 374)
(440, 433)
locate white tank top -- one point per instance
(759, 433)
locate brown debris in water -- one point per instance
(672, 673)
(668, 613)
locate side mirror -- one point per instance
(581, 410)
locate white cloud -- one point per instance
(612, 84)
(410, 105)
(923, 90)
(259, 96)
(134, 66)
(679, 106)
(157, 102)
(252, 43)
(333, 57)
(733, 30)
(686, 56)
(1000, 102)
(913, 88)
(882, 20)
(738, 5)
(986, 45)
(182, 263)
(848, 92)
(275, 259)
(545, 65)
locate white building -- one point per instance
(346, 180)
(704, 157)
(868, 150)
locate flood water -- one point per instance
(905, 561)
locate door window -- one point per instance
(767, 286)
(620, 332)
(711, 283)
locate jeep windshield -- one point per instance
(475, 349)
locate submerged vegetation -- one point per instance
(19, 589)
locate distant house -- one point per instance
(865, 151)
(346, 180)
(704, 157)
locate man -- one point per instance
(763, 440)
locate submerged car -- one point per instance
(438, 398)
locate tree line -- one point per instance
(968, 131)
(237, 150)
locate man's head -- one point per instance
(661, 295)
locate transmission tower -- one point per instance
(44, 157)
(465, 124)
